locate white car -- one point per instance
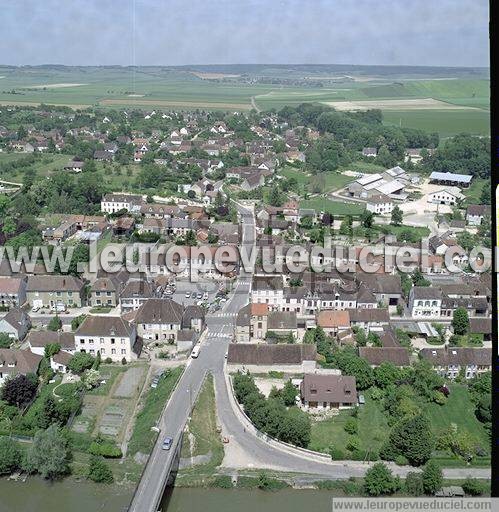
(34, 309)
(205, 295)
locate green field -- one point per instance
(333, 207)
(181, 88)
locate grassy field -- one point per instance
(333, 207)
(176, 88)
(458, 410)
(373, 429)
(43, 166)
(474, 191)
(143, 439)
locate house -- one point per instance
(324, 392)
(425, 301)
(256, 357)
(17, 362)
(106, 289)
(159, 320)
(281, 323)
(481, 326)
(16, 324)
(135, 293)
(252, 182)
(112, 203)
(450, 178)
(369, 319)
(38, 340)
(52, 290)
(111, 336)
(251, 323)
(399, 356)
(59, 362)
(12, 292)
(448, 196)
(103, 156)
(370, 152)
(74, 166)
(475, 213)
(333, 322)
(450, 361)
(380, 205)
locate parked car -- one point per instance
(155, 381)
(200, 295)
(187, 295)
(34, 309)
(167, 443)
(205, 295)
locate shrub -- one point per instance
(351, 426)
(400, 460)
(336, 453)
(353, 443)
(108, 360)
(105, 449)
(98, 471)
(388, 452)
(432, 477)
(10, 456)
(380, 481)
(473, 487)
(414, 484)
(223, 482)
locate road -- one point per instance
(219, 332)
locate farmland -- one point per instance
(447, 101)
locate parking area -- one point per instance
(206, 293)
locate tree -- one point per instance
(296, 428)
(460, 321)
(49, 454)
(485, 196)
(289, 393)
(48, 413)
(274, 196)
(10, 456)
(418, 279)
(80, 362)
(346, 226)
(99, 471)
(432, 477)
(412, 437)
(414, 484)
(397, 216)
(55, 324)
(367, 219)
(5, 340)
(386, 374)
(379, 480)
(20, 390)
(51, 349)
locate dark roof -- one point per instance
(18, 361)
(244, 316)
(481, 325)
(192, 312)
(17, 318)
(137, 288)
(369, 315)
(426, 293)
(160, 311)
(66, 340)
(52, 282)
(262, 354)
(104, 326)
(478, 210)
(328, 388)
(281, 320)
(457, 356)
(267, 283)
(399, 356)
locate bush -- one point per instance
(414, 484)
(105, 449)
(353, 443)
(380, 481)
(108, 360)
(473, 487)
(336, 453)
(10, 456)
(223, 482)
(388, 452)
(98, 471)
(400, 460)
(432, 477)
(351, 426)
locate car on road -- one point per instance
(199, 295)
(205, 295)
(195, 352)
(167, 443)
(223, 301)
(187, 295)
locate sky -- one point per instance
(183, 32)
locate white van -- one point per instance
(195, 351)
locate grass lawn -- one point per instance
(458, 410)
(333, 207)
(100, 309)
(373, 429)
(143, 438)
(421, 232)
(110, 373)
(203, 425)
(44, 165)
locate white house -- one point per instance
(112, 336)
(425, 301)
(380, 205)
(112, 203)
(448, 196)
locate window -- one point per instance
(122, 341)
(123, 351)
(112, 341)
(113, 351)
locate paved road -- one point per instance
(220, 329)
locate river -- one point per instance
(36, 495)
